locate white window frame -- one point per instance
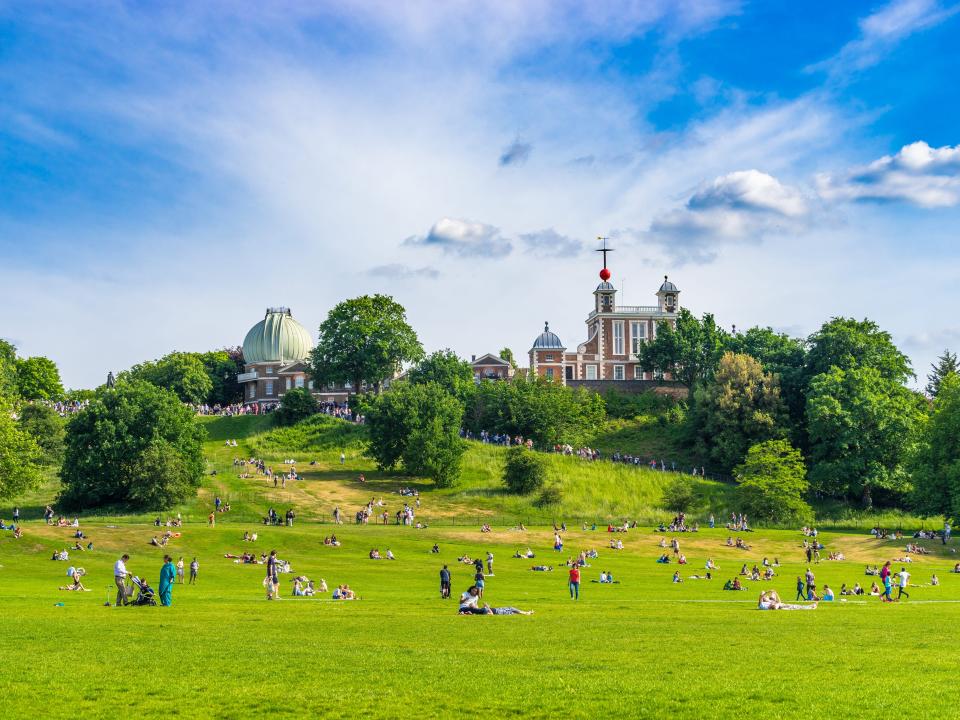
(637, 372)
(310, 384)
(591, 373)
(549, 373)
(618, 337)
(269, 371)
(253, 391)
(298, 382)
(638, 334)
(269, 388)
(289, 384)
(548, 358)
(619, 370)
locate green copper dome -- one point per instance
(277, 338)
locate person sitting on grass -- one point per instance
(768, 574)
(487, 610)
(682, 559)
(770, 600)
(676, 577)
(76, 585)
(663, 559)
(390, 554)
(934, 580)
(468, 602)
(297, 587)
(827, 594)
(733, 584)
(729, 542)
(435, 549)
(711, 565)
(375, 554)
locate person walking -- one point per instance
(272, 580)
(887, 583)
(119, 578)
(904, 578)
(194, 569)
(444, 583)
(180, 570)
(801, 586)
(167, 575)
(575, 582)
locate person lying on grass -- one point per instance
(542, 568)
(770, 600)
(528, 554)
(487, 610)
(708, 576)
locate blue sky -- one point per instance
(167, 172)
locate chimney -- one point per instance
(473, 358)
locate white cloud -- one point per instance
(918, 174)
(463, 238)
(742, 206)
(398, 271)
(550, 243)
(882, 31)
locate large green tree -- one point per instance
(8, 370)
(38, 379)
(935, 462)
(848, 344)
(46, 427)
(222, 367)
(739, 408)
(945, 365)
(689, 352)
(772, 482)
(860, 425)
(19, 455)
(782, 356)
(546, 412)
(183, 373)
(136, 445)
(366, 339)
(418, 425)
(446, 369)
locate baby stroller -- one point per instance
(144, 593)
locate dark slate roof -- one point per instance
(547, 340)
(668, 286)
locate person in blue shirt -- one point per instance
(167, 575)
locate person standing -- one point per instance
(343, 457)
(119, 577)
(811, 583)
(885, 579)
(194, 569)
(904, 578)
(489, 563)
(444, 583)
(16, 516)
(273, 580)
(167, 575)
(180, 570)
(946, 532)
(712, 521)
(575, 582)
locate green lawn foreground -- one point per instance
(643, 648)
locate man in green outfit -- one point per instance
(167, 575)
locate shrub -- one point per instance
(772, 480)
(296, 405)
(678, 495)
(524, 471)
(550, 496)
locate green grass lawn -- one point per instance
(641, 648)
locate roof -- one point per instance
(490, 359)
(605, 287)
(547, 340)
(277, 338)
(668, 286)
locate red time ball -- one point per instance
(604, 274)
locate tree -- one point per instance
(546, 412)
(447, 370)
(524, 472)
(772, 481)
(46, 427)
(945, 365)
(678, 495)
(860, 425)
(418, 425)
(38, 379)
(19, 455)
(689, 352)
(935, 462)
(222, 367)
(296, 405)
(8, 370)
(741, 406)
(183, 373)
(782, 356)
(365, 339)
(507, 354)
(134, 446)
(848, 344)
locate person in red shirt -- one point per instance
(575, 582)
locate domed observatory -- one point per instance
(275, 351)
(547, 355)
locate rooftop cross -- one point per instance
(605, 273)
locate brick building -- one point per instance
(615, 334)
(491, 367)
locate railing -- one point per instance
(634, 310)
(247, 376)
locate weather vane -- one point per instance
(605, 273)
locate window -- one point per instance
(347, 386)
(591, 372)
(269, 371)
(253, 390)
(618, 372)
(638, 333)
(310, 384)
(269, 387)
(548, 358)
(549, 373)
(637, 372)
(618, 337)
(299, 381)
(288, 383)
